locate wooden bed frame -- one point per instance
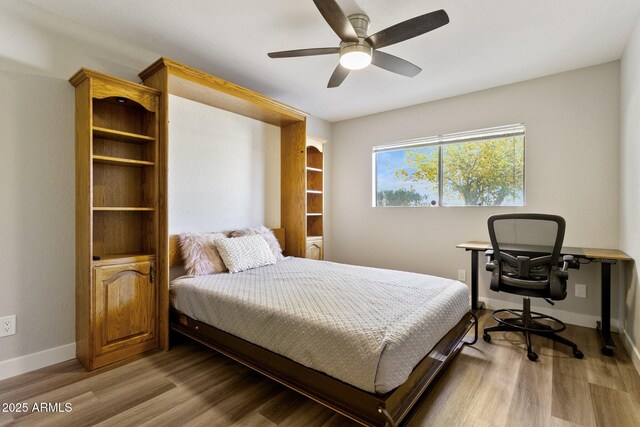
(369, 409)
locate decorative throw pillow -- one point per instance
(200, 253)
(245, 253)
(268, 235)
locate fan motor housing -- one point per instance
(360, 23)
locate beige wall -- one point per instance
(224, 169)
(630, 181)
(38, 53)
(572, 155)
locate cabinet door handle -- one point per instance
(151, 274)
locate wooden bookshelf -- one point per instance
(315, 198)
(116, 218)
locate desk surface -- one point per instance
(590, 253)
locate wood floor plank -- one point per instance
(142, 412)
(627, 370)
(338, 420)
(570, 396)
(614, 407)
(487, 385)
(281, 405)
(558, 422)
(5, 419)
(441, 406)
(211, 392)
(235, 408)
(492, 398)
(310, 414)
(253, 419)
(531, 400)
(600, 369)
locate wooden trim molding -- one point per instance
(197, 85)
(85, 73)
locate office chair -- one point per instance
(525, 261)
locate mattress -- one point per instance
(368, 327)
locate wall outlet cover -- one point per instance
(462, 275)
(7, 325)
(581, 290)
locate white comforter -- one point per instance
(365, 326)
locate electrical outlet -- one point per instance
(462, 275)
(581, 290)
(7, 325)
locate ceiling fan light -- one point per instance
(355, 56)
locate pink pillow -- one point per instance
(268, 235)
(200, 254)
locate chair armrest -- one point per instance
(491, 264)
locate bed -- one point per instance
(365, 342)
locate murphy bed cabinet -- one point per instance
(117, 217)
(173, 78)
(315, 197)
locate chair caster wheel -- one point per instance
(532, 356)
(578, 354)
(486, 337)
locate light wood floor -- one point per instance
(487, 385)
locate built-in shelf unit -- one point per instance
(116, 218)
(315, 197)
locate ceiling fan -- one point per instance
(357, 50)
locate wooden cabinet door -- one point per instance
(314, 249)
(124, 307)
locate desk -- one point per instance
(606, 258)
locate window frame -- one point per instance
(448, 139)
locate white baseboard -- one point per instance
(33, 361)
(570, 317)
(633, 351)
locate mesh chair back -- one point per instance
(527, 248)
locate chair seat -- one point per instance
(527, 284)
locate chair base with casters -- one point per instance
(530, 323)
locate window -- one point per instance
(477, 168)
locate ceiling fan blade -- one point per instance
(304, 52)
(394, 64)
(338, 76)
(337, 20)
(409, 29)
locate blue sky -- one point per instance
(386, 164)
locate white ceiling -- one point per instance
(488, 43)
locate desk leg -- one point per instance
(604, 327)
(475, 305)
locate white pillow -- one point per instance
(245, 253)
(268, 236)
